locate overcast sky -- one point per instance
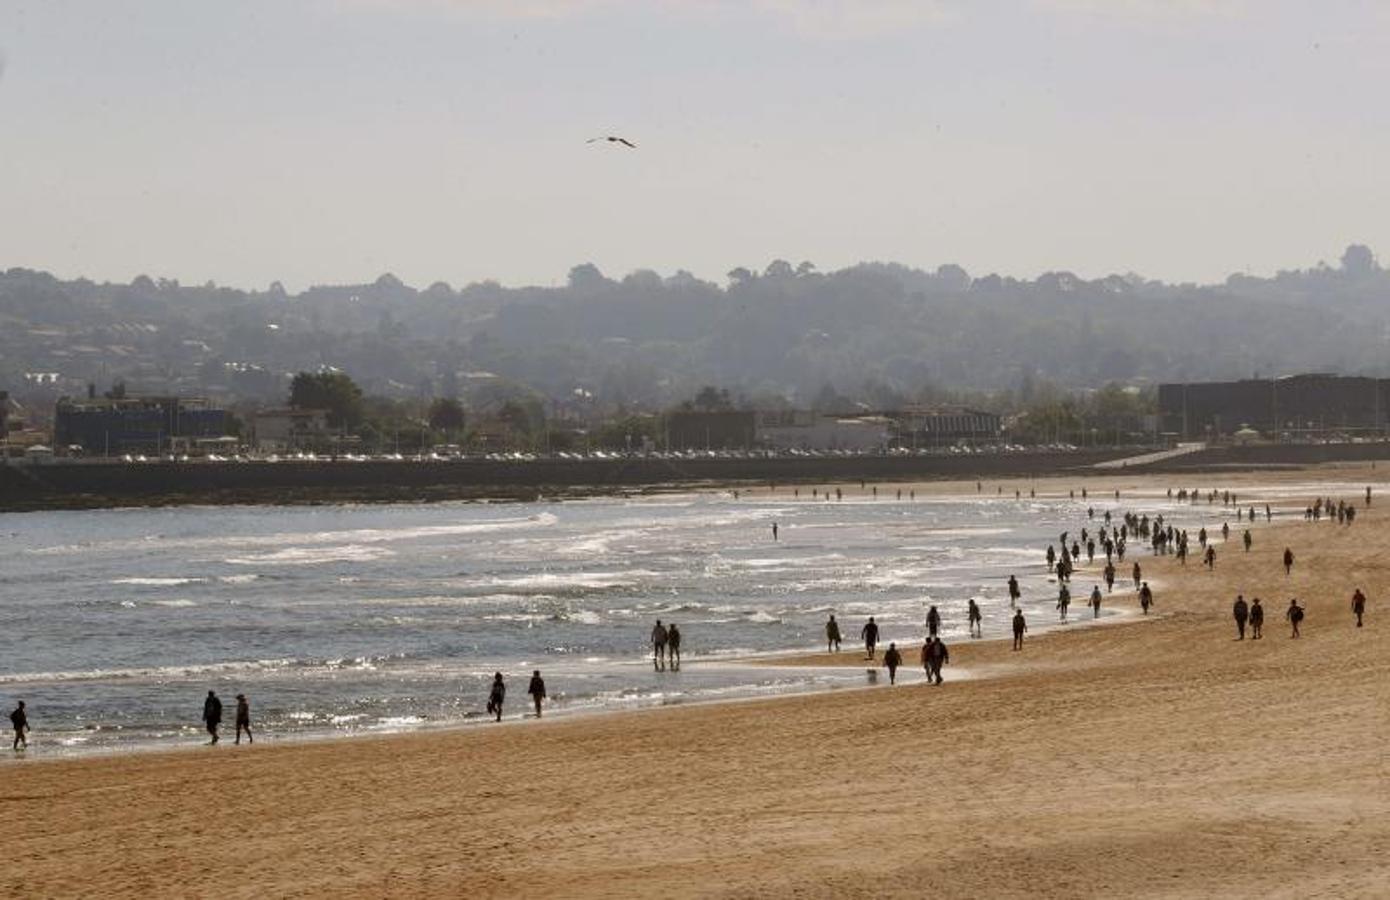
(316, 141)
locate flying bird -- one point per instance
(617, 140)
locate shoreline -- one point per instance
(1168, 760)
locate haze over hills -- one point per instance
(875, 333)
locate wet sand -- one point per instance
(1159, 758)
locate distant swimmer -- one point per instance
(659, 637)
(1095, 602)
(1146, 598)
(1257, 619)
(1014, 592)
(1241, 613)
(832, 635)
(892, 659)
(212, 715)
(1020, 627)
(1288, 562)
(496, 696)
(20, 720)
(537, 690)
(774, 531)
(1295, 616)
(870, 635)
(933, 622)
(974, 618)
(243, 720)
(673, 647)
(1358, 603)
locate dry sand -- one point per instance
(1159, 758)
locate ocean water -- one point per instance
(351, 619)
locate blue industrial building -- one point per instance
(111, 427)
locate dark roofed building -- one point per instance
(1306, 404)
(108, 426)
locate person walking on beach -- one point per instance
(1051, 557)
(870, 635)
(659, 637)
(1210, 559)
(496, 696)
(940, 656)
(927, 658)
(20, 720)
(1358, 603)
(933, 621)
(673, 647)
(1109, 574)
(1063, 602)
(1146, 598)
(1095, 602)
(537, 690)
(1257, 619)
(212, 715)
(1020, 627)
(892, 659)
(1240, 612)
(1014, 592)
(243, 720)
(1288, 561)
(832, 635)
(974, 618)
(1295, 615)
(1248, 540)
(1136, 572)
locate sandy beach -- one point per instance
(1157, 757)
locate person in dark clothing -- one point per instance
(1257, 619)
(1020, 627)
(1358, 599)
(1211, 556)
(870, 635)
(892, 659)
(1295, 616)
(212, 714)
(832, 635)
(496, 696)
(774, 531)
(659, 638)
(1288, 561)
(1248, 540)
(1051, 557)
(933, 621)
(975, 619)
(537, 690)
(243, 719)
(940, 656)
(1240, 612)
(1146, 598)
(20, 720)
(1095, 602)
(1063, 602)
(673, 647)
(1137, 573)
(1014, 592)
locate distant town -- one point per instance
(326, 416)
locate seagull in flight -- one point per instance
(617, 140)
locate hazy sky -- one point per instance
(318, 141)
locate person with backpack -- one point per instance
(1295, 616)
